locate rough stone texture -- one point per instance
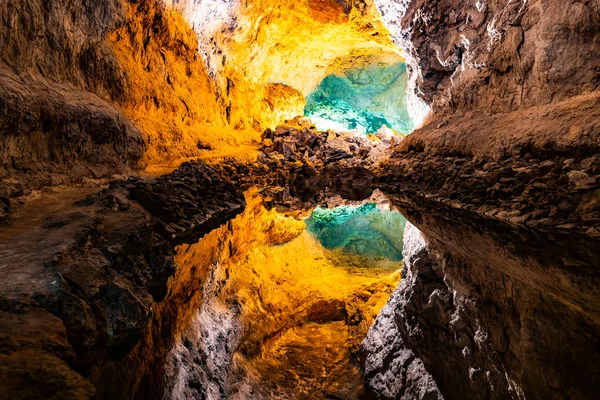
(89, 89)
(496, 55)
(502, 180)
(488, 306)
(93, 271)
(536, 187)
(309, 166)
(306, 41)
(52, 127)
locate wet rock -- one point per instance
(314, 165)
(458, 285)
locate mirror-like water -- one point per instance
(363, 230)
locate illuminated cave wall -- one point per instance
(362, 99)
(155, 81)
(250, 46)
(363, 230)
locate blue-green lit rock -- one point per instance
(364, 99)
(364, 230)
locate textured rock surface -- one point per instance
(89, 90)
(309, 165)
(249, 44)
(502, 180)
(52, 128)
(97, 88)
(488, 306)
(496, 55)
(91, 271)
(391, 369)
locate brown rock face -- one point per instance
(500, 300)
(497, 55)
(53, 127)
(97, 88)
(489, 308)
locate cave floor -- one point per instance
(25, 243)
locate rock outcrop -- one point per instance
(391, 369)
(310, 165)
(488, 306)
(91, 90)
(494, 56)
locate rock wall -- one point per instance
(391, 369)
(502, 181)
(250, 45)
(50, 123)
(495, 56)
(97, 88)
(488, 307)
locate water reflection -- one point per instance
(363, 230)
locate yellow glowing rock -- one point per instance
(294, 44)
(168, 92)
(254, 74)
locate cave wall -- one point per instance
(502, 181)
(491, 310)
(90, 89)
(97, 88)
(496, 56)
(48, 114)
(252, 45)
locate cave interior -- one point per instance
(313, 199)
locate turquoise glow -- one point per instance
(363, 99)
(364, 230)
